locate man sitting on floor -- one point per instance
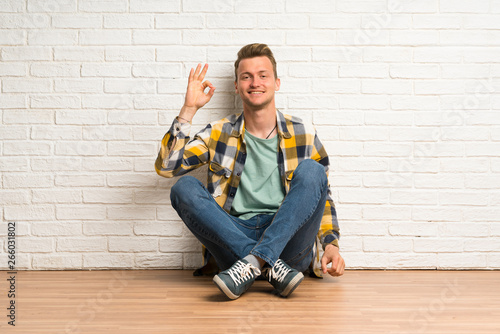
(267, 199)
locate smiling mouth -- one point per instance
(256, 93)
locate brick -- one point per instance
(388, 118)
(55, 101)
(364, 260)
(108, 261)
(27, 148)
(231, 21)
(132, 244)
(80, 148)
(157, 70)
(156, 37)
(160, 101)
(386, 213)
(166, 212)
(52, 37)
(416, 165)
(384, 86)
(80, 180)
(12, 37)
(481, 22)
(369, 133)
(80, 118)
(292, 21)
(52, 6)
(26, 85)
(42, 132)
(57, 261)
(106, 70)
(464, 165)
(387, 150)
(35, 245)
(481, 214)
(438, 87)
(479, 245)
(132, 21)
(107, 101)
(29, 212)
(130, 86)
(413, 197)
(317, 70)
(481, 149)
(436, 214)
(414, 38)
(9, 6)
(384, 244)
(130, 53)
(311, 37)
(24, 21)
(13, 164)
(77, 21)
(28, 53)
(78, 85)
(317, 102)
(464, 134)
(14, 133)
(56, 164)
(438, 245)
(109, 6)
(344, 149)
(164, 261)
(208, 7)
(108, 132)
(461, 261)
(169, 229)
(101, 164)
(186, 53)
(363, 37)
(464, 37)
(80, 212)
(179, 245)
(178, 21)
(441, 54)
(49, 70)
(131, 212)
(414, 102)
(441, 21)
(414, 229)
(388, 54)
(440, 181)
(55, 229)
(450, 6)
(338, 54)
(9, 197)
(482, 181)
(105, 37)
(414, 71)
(131, 149)
(439, 150)
(48, 196)
(108, 228)
(412, 261)
(414, 134)
(362, 6)
(363, 71)
(363, 196)
(155, 6)
(82, 244)
(132, 180)
(107, 196)
(464, 230)
(78, 53)
(12, 69)
(148, 133)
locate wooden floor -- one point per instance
(173, 301)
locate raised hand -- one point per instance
(196, 97)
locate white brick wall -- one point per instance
(405, 96)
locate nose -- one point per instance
(255, 82)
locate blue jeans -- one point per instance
(289, 234)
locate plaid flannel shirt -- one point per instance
(221, 145)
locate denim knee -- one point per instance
(183, 190)
(310, 172)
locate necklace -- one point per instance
(272, 130)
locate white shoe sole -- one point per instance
(294, 283)
(223, 287)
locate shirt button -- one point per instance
(231, 194)
(238, 173)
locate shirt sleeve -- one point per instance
(329, 231)
(178, 154)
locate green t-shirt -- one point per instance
(260, 190)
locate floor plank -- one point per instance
(173, 301)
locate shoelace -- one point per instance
(279, 271)
(240, 272)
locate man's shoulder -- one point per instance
(298, 124)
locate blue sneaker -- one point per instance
(284, 278)
(234, 281)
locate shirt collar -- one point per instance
(239, 125)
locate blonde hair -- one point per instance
(255, 50)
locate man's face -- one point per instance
(256, 84)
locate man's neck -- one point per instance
(260, 123)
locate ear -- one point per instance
(236, 87)
(277, 84)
